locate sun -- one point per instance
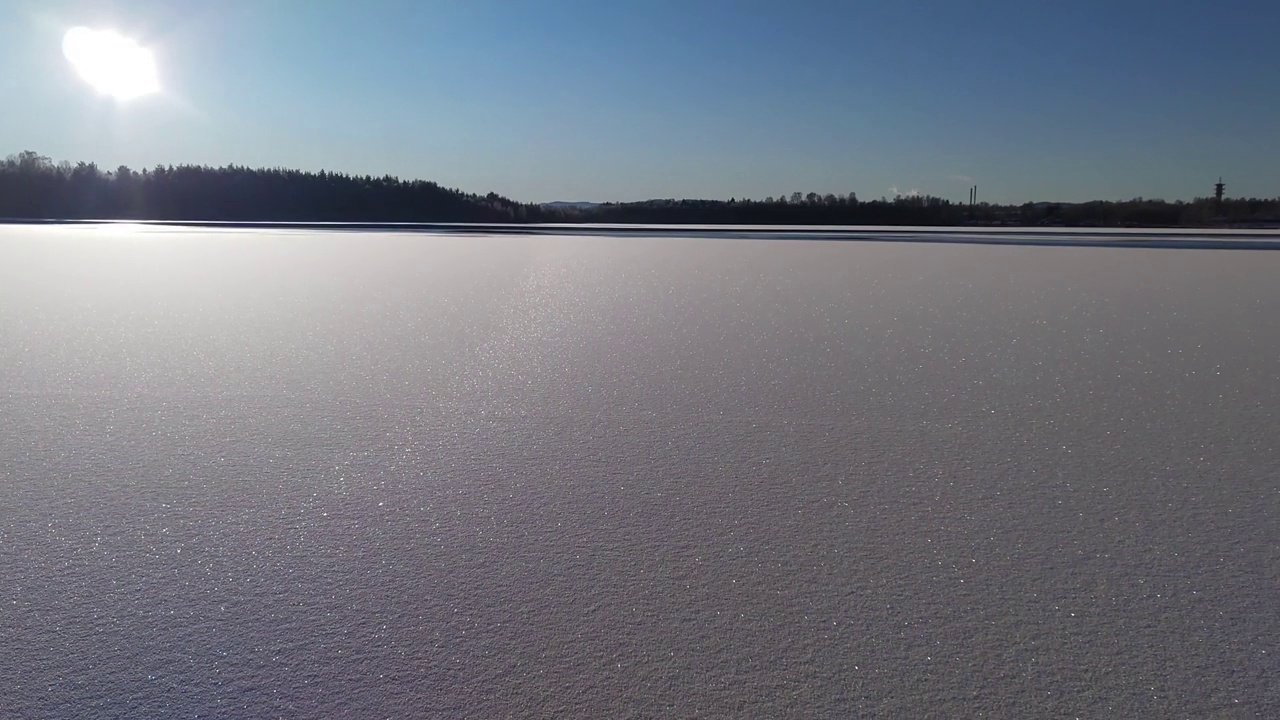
(112, 63)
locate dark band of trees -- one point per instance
(34, 187)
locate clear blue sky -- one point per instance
(601, 100)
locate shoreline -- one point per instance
(1162, 238)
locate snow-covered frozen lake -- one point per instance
(289, 472)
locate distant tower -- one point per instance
(1218, 189)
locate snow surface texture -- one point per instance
(261, 473)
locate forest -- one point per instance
(32, 186)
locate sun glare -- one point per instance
(112, 63)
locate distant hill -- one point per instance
(566, 205)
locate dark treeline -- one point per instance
(925, 210)
(33, 186)
(798, 209)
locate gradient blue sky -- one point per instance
(601, 100)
